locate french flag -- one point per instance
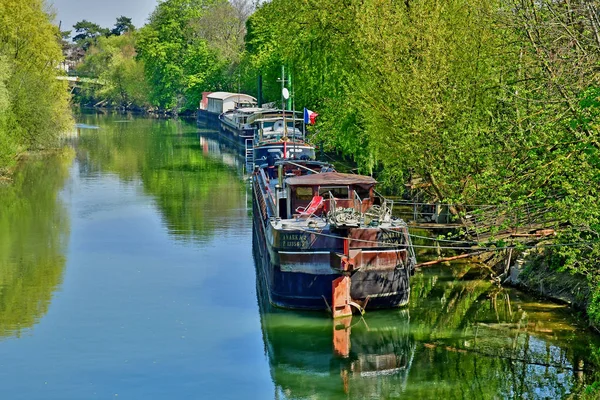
(309, 116)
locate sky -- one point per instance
(101, 12)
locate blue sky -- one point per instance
(102, 12)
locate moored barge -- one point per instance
(213, 104)
(331, 241)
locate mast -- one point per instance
(293, 99)
(283, 102)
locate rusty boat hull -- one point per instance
(305, 257)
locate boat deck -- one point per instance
(300, 224)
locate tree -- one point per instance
(122, 26)
(179, 63)
(223, 26)
(34, 107)
(88, 33)
(113, 61)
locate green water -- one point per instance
(127, 271)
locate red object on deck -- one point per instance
(340, 297)
(312, 207)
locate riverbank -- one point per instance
(531, 272)
(132, 109)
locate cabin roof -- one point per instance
(278, 113)
(330, 178)
(227, 95)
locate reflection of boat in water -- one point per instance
(212, 145)
(313, 357)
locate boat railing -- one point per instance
(268, 198)
(357, 203)
(332, 202)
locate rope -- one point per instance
(384, 244)
(441, 240)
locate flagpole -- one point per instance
(304, 125)
(293, 113)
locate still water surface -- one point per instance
(127, 271)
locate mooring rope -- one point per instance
(476, 248)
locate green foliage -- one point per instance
(88, 33)
(222, 25)
(34, 107)
(179, 63)
(113, 61)
(8, 148)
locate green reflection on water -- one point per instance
(34, 231)
(195, 192)
(460, 338)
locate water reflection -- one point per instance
(196, 193)
(34, 231)
(310, 356)
(460, 338)
(215, 145)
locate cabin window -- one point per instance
(362, 192)
(304, 193)
(340, 192)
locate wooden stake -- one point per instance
(441, 260)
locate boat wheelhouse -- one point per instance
(276, 138)
(331, 240)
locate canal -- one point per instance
(127, 271)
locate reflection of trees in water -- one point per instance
(479, 341)
(34, 230)
(465, 339)
(196, 194)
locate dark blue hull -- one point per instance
(239, 135)
(298, 290)
(208, 118)
(313, 292)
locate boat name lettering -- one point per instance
(294, 240)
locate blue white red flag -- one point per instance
(309, 116)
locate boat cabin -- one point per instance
(335, 189)
(238, 117)
(274, 128)
(219, 102)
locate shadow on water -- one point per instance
(460, 338)
(34, 232)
